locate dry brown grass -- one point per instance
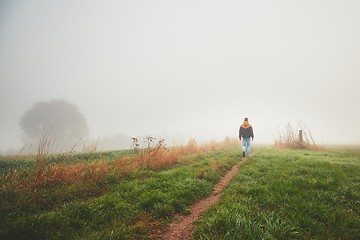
(155, 156)
(55, 174)
(290, 137)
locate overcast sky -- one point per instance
(185, 68)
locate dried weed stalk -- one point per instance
(299, 138)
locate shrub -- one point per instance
(302, 139)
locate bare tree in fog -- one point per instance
(64, 118)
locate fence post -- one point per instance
(301, 135)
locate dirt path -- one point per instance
(182, 228)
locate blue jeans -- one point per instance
(246, 146)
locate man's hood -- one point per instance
(246, 124)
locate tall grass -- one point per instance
(296, 138)
(154, 156)
(289, 194)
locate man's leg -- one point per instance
(248, 147)
(244, 146)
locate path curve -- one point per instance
(183, 228)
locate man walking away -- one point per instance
(246, 132)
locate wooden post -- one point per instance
(301, 135)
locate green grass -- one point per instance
(125, 206)
(277, 194)
(289, 194)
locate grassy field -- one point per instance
(277, 194)
(106, 195)
(289, 194)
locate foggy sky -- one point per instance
(185, 68)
